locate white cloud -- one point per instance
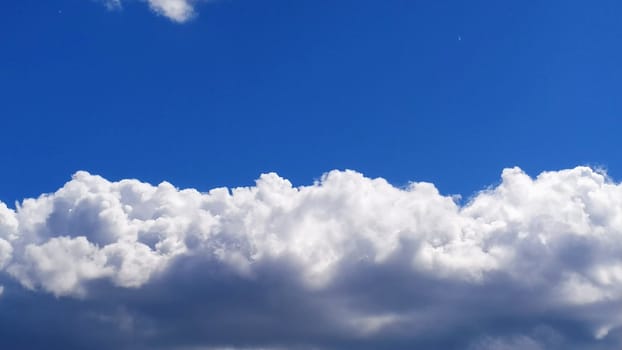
(554, 242)
(176, 10)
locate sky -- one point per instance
(295, 174)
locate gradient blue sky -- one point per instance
(444, 91)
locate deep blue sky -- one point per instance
(301, 87)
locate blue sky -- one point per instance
(449, 92)
(109, 109)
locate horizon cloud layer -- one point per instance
(347, 262)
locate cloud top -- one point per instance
(176, 10)
(531, 263)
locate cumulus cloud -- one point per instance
(175, 10)
(347, 262)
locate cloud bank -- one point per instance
(348, 262)
(176, 10)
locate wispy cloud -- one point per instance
(348, 262)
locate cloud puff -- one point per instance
(176, 10)
(348, 262)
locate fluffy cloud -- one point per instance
(176, 10)
(348, 262)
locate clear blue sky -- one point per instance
(444, 91)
